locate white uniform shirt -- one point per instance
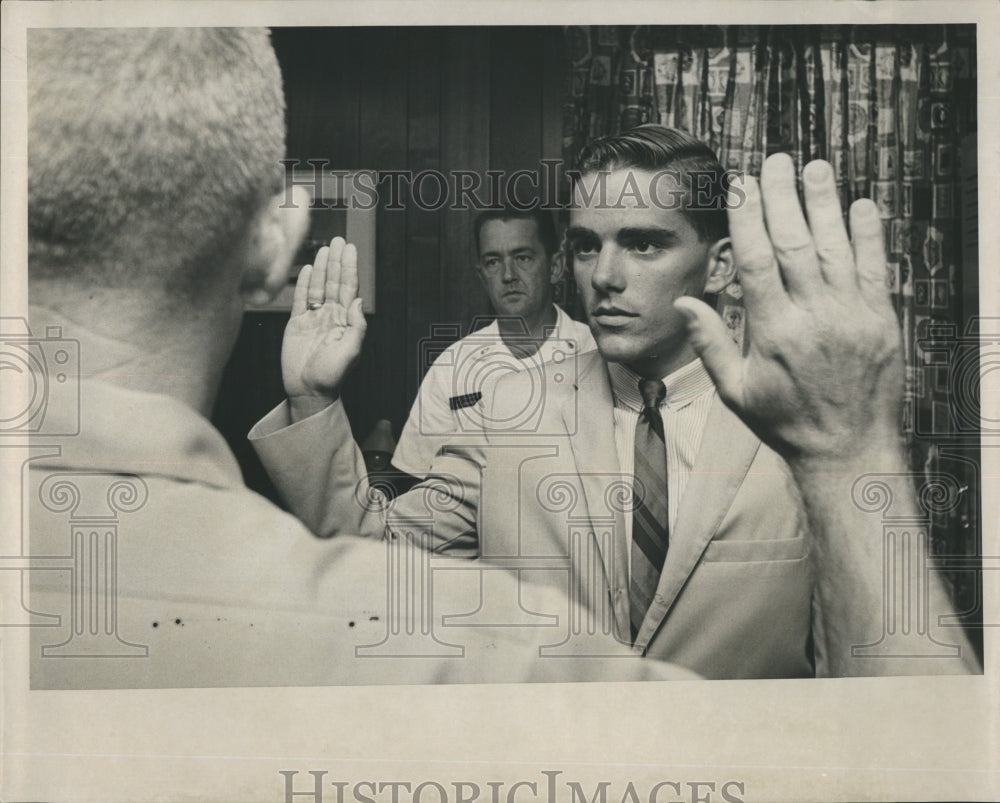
(451, 399)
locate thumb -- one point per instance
(356, 326)
(356, 317)
(709, 338)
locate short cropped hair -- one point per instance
(655, 148)
(544, 224)
(149, 151)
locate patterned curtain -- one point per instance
(891, 108)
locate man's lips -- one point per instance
(612, 316)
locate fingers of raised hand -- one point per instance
(348, 275)
(752, 251)
(826, 224)
(869, 251)
(334, 269)
(786, 226)
(300, 298)
(317, 280)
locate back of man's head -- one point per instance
(150, 151)
(656, 148)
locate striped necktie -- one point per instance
(649, 516)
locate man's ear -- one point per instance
(274, 237)
(721, 268)
(557, 267)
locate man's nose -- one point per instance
(608, 274)
(508, 273)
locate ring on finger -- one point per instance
(315, 304)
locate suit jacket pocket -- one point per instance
(726, 551)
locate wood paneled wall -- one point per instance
(401, 99)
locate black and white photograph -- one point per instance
(389, 388)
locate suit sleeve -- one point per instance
(320, 473)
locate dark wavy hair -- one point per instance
(658, 148)
(543, 223)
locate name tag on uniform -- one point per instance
(465, 400)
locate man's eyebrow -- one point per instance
(579, 233)
(521, 249)
(646, 233)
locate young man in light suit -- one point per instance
(624, 478)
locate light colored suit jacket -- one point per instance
(542, 493)
(152, 565)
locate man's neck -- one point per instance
(180, 359)
(512, 331)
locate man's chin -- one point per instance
(509, 311)
(614, 347)
(512, 305)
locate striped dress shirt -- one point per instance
(690, 393)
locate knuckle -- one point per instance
(795, 249)
(835, 254)
(755, 260)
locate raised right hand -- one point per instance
(823, 380)
(324, 334)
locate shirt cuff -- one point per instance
(279, 421)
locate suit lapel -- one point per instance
(589, 417)
(724, 457)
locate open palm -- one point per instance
(324, 335)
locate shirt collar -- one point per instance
(132, 432)
(552, 333)
(683, 385)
